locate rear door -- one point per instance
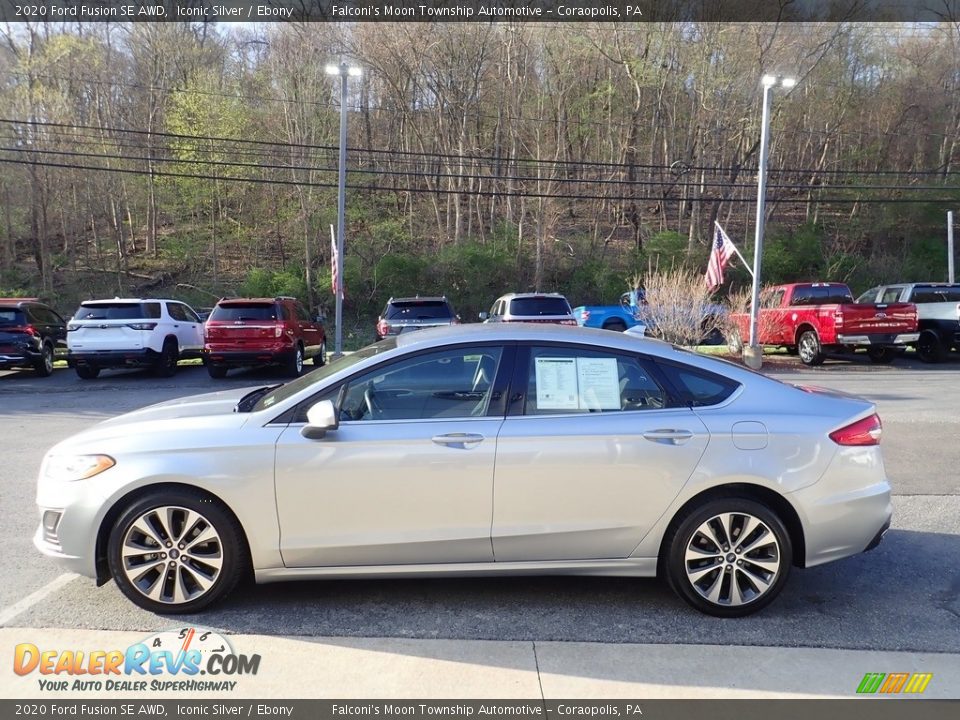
(591, 454)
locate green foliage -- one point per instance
(271, 283)
(666, 249)
(793, 255)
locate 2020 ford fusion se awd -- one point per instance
(475, 450)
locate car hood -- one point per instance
(215, 403)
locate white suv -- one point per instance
(531, 308)
(123, 333)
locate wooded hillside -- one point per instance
(482, 157)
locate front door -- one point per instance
(407, 478)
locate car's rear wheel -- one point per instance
(217, 372)
(87, 372)
(44, 366)
(294, 366)
(809, 349)
(320, 358)
(615, 326)
(929, 347)
(169, 357)
(881, 355)
(729, 557)
(176, 551)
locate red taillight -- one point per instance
(28, 329)
(584, 316)
(862, 432)
(383, 327)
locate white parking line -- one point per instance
(11, 611)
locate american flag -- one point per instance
(720, 254)
(336, 286)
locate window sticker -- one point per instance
(599, 383)
(557, 383)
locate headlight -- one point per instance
(77, 467)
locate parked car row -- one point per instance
(158, 334)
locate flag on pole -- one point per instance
(720, 253)
(336, 286)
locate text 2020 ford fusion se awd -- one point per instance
(475, 450)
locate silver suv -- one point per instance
(132, 333)
(532, 308)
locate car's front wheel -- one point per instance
(728, 557)
(176, 551)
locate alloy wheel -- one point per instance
(172, 554)
(732, 559)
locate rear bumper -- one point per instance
(113, 358)
(248, 357)
(19, 358)
(879, 339)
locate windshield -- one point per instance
(539, 306)
(333, 366)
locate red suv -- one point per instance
(245, 332)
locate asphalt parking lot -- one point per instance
(905, 595)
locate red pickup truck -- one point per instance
(811, 319)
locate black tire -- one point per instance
(169, 357)
(44, 366)
(217, 372)
(615, 326)
(809, 348)
(733, 568)
(320, 359)
(230, 547)
(294, 366)
(882, 355)
(930, 349)
(88, 372)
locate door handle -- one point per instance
(668, 436)
(457, 439)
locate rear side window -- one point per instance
(419, 310)
(11, 316)
(932, 294)
(697, 387)
(532, 306)
(244, 311)
(118, 311)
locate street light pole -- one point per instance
(753, 352)
(343, 70)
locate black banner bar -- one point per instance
(480, 10)
(879, 708)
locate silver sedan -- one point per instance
(475, 450)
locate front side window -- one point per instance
(456, 383)
(573, 380)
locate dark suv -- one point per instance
(415, 313)
(31, 335)
(245, 332)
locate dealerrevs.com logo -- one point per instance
(173, 661)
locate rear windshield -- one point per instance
(936, 294)
(245, 311)
(117, 311)
(824, 295)
(419, 310)
(539, 306)
(11, 316)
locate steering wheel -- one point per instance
(374, 409)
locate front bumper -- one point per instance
(113, 358)
(879, 339)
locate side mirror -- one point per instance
(483, 315)
(321, 418)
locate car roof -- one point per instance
(419, 298)
(127, 300)
(20, 301)
(247, 301)
(531, 294)
(536, 332)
